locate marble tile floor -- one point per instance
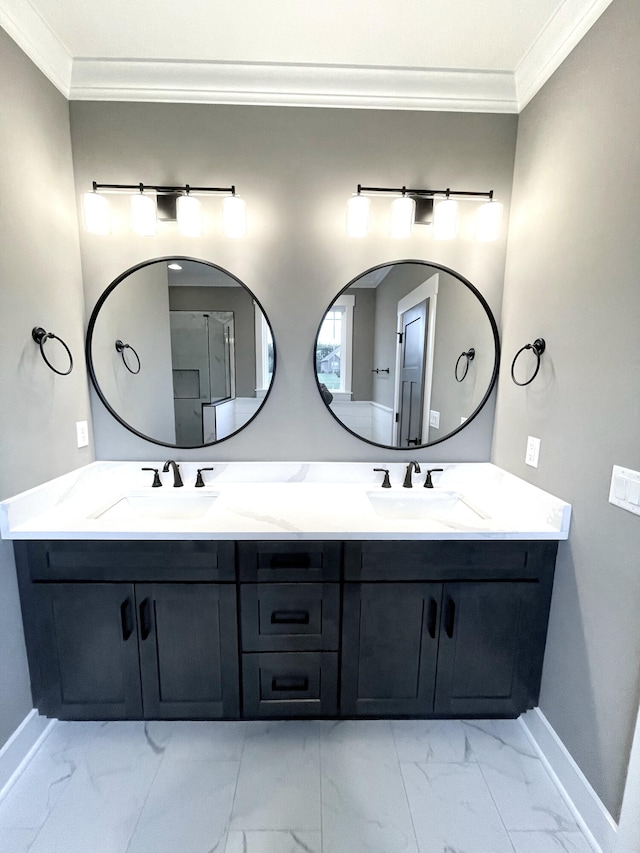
(366, 786)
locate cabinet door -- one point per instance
(188, 650)
(85, 664)
(390, 643)
(489, 648)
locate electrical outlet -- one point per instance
(434, 419)
(82, 433)
(533, 451)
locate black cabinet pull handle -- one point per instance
(449, 618)
(126, 618)
(290, 617)
(432, 619)
(145, 619)
(290, 561)
(289, 682)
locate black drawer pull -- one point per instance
(432, 618)
(449, 618)
(126, 618)
(290, 617)
(145, 619)
(290, 561)
(289, 682)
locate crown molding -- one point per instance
(276, 84)
(31, 33)
(556, 40)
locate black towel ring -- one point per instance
(120, 347)
(470, 354)
(40, 336)
(538, 346)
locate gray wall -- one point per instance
(40, 284)
(572, 278)
(295, 168)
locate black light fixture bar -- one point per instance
(186, 188)
(427, 193)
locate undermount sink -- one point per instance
(436, 504)
(158, 505)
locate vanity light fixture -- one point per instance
(424, 207)
(151, 203)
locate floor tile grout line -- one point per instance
(235, 789)
(493, 799)
(155, 775)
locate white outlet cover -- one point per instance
(82, 433)
(533, 451)
(434, 419)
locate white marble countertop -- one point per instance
(285, 500)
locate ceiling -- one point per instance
(462, 55)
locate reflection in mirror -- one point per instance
(205, 348)
(407, 354)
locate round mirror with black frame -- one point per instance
(180, 352)
(407, 354)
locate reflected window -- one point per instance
(334, 347)
(264, 352)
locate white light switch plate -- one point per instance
(625, 489)
(533, 451)
(434, 419)
(82, 432)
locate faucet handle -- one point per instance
(428, 483)
(199, 480)
(156, 477)
(386, 482)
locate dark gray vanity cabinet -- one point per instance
(104, 643)
(212, 630)
(290, 627)
(459, 632)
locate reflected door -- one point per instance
(412, 360)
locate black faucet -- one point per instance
(412, 466)
(386, 482)
(177, 479)
(428, 483)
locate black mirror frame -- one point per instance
(496, 341)
(91, 369)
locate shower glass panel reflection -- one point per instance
(202, 352)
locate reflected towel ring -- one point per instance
(470, 354)
(40, 336)
(120, 347)
(538, 346)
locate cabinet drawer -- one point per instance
(276, 562)
(154, 560)
(290, 617)
(446, 560)
(290, 684)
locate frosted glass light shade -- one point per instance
(189, 216)
(95, 213)
(445, 219)
(358, 214)
(488, 219)
(402, 215)
(234, 217)
(144, 220)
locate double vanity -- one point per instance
(285, 590)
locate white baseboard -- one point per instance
(587, 808)
(21, 747)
